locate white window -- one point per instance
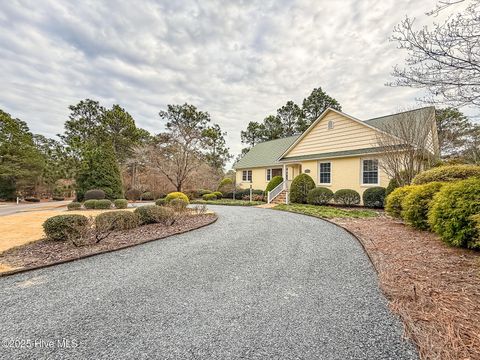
(325, 173)
(370, 172)
(247, 175)
(273, 172)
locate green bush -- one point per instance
(152, 214)
(200, 192)
(74, 206)
(226, 185)
(416, 204)
(451, 212)
(209, 197)
(120, 203)
(116, 220)
(179, 205)
(8, 190)
(447, 173)
(65, 227)
(103, 204)
(95, 194)
(161, 202)
(147, 196)
(32, 199)
(319, 196)
(393, 202)
(392, 185)
(218, 194)
(58, 198)
(300, 187)
(90, 204)
(374, 197)
(347, 197)
(176, 195)
(273, 183)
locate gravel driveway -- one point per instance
(256, 284)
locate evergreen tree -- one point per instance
(314, 105)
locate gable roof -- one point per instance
(266, 153)
(384, 122)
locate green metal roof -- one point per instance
(384, 123)
(265, 153)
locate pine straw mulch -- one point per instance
(46, 252)
(434, 288)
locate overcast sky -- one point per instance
(238, 60)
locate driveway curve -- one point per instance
(257, 284)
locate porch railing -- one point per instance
(277, 190)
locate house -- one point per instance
(338, 151)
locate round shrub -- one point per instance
(392, 185)
(447, 173)
(179, 205)
(74, 206)
(319, 196)
(90, 204)
(300, 187)
(103, 204)
(374, 197)
(347, 197)
(116, 220)
(32, 199)
(120, 204)
(273, 183)
(152, 214)
(161, 202)
(416, 204)
(58, 198)
(176, 195)
(95, 194)
(226, 185)
(218, 194)
(65, 227)
(133, 194)
(208, 197)
(393, 202)
(451, 212)
(147, 196)
(201, 192)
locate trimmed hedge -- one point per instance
(120, 203)
(417, 202)
(65, 227)
(374, 197)
(95, 194)
(178, 205)
(116, 220)
(392, 185)
(31, 199)
(218, 194)
(74, 206)
(147, 196)
(300, 187)
(133, 194)
(161, 202)
(347, 197)
(319, 196)
(103, 204)
(200, 192)
(273, 183)
(447, 173)
(90, 204)
(152, 214)
(176, 195)
(451, 212)
(208, 197)
(393, 202)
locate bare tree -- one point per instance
(409, 145)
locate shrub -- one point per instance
(300, 187)
(74, 206)
(200, 192)
(218, 194)
(133, 194)
(58, 198)
(374, 197)
(417, 202)
(147, 196)
(392, 185)
(176, 195)
(273, 183)
(447, 173)
(255, 197)
(179, 205)
(90, 204)
(152, 214)
(103, 204)
(226, 185)
(347, 197)
(161, 202)
(32, 199)
(208, 197)
(65, 227)
(120, 203)
(393, 202)
(451, 212)
(241, 193)
(96, 194)
(116, 220)
(319, 196)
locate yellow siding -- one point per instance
(259, 178)
(346, 134)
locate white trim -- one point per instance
(361, 172)
(251, 176)
(318, 173)
(271, 173)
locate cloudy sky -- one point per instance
(238, 60)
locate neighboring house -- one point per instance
(338, 151)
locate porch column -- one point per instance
(284, 175)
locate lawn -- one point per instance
(327, 212)
(229, 202)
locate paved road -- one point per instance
(257, 284)
(10, 209)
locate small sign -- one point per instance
(307, 171)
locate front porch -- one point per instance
(280, 194)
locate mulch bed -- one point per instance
(434, 288)
(47, 252)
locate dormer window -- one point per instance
(330, 125)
